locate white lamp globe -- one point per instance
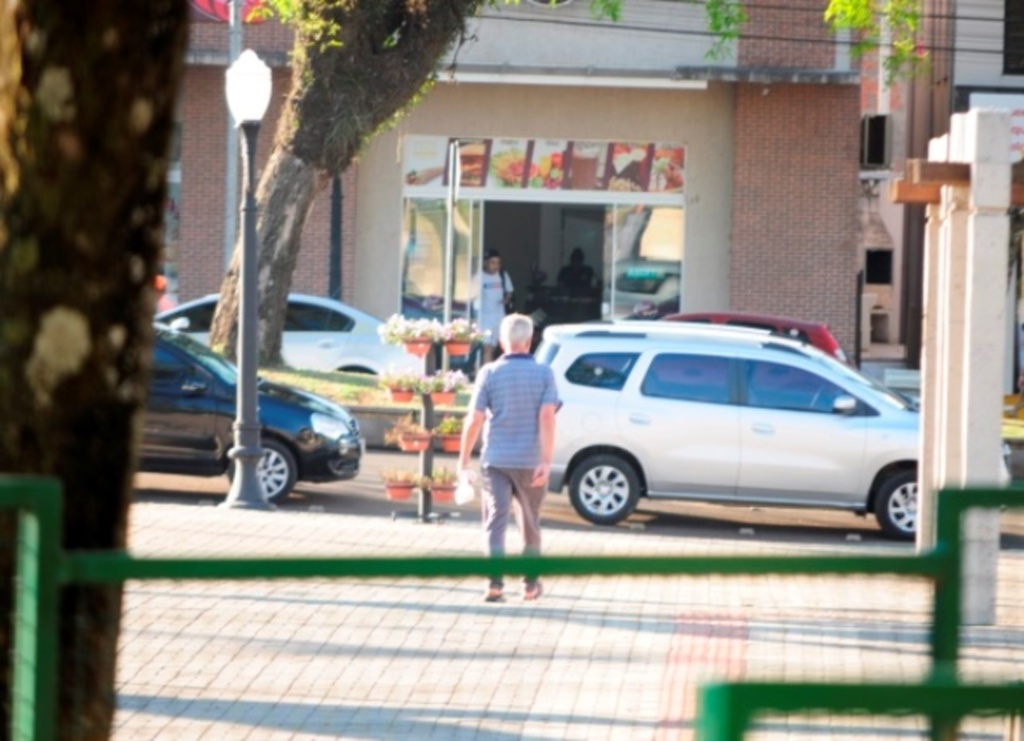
(247, 86)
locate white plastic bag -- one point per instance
(465, 491)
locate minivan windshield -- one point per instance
(857, 378)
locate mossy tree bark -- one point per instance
(87, 94)
(352, 73)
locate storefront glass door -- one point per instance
(424, 230)
(643, 261)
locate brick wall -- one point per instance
(269, 36)
(795, 200)
(203, 115)
(786, 33)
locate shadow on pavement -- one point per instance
(363, 497)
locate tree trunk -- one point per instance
(87, 93)
(374, 57)
(288, 189)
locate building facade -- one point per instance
(687, 184)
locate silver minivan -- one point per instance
(732, 416)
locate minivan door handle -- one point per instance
(639, 419)
(763, 428)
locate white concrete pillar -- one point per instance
(988, 236)
(956, 204)
(928, 464)
(965, 305)
(935, 290)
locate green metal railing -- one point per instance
(726, 710)
(42, 568)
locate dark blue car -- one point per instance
(191, 410)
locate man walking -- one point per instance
(514, 403)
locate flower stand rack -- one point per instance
(423, 442)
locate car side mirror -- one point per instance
(180, 323)
(844, 404)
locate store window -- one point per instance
(586, 230)
(1013, 38)
(424, 235)
(644, 253)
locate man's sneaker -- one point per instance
(533, 592)
(494, 594)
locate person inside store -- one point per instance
(494, 300)
(577, 277)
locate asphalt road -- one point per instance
(364, 496)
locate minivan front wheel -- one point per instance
(277, 471)
(604, 489)
(896, 505)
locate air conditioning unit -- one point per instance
(875, 142)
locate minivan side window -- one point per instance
(605, 370)
(703, 378)
(778, 386)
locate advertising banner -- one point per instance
(219, 11)
(493, 167)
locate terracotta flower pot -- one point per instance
(399, 492)
(457, 349)
(451, 443)
(443, 493)
(419, 348)
(443, 397)
(401, 395)
(414, 442)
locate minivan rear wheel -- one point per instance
(896, 505)
(604, 489)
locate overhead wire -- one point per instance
(617, 25)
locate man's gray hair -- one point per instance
(516, 329)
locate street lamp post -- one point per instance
(247, 85)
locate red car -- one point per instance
(813, 333)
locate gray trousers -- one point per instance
(503, 489)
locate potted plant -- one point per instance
(399, 483)
(409, 436)
(442, 483)
(443, 386)
(401, 384)
(459, 335)
(449, 432)
(417, 335)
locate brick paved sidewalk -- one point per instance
(596, 658)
